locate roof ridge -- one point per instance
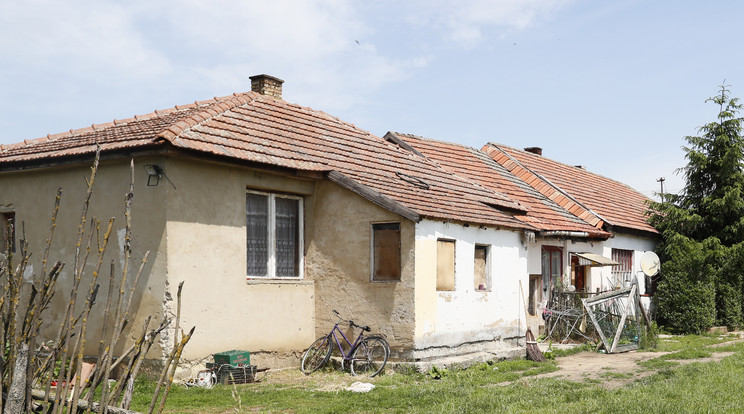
(598, 220)
(116, 122)
(433, 139)
(580, 170)
(224, 104)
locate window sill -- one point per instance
(272, 281)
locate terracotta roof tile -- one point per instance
(259, 129)
(475, 165)
(605, 199)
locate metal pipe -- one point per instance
(564, 234)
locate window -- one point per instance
(480, 269)
(552, 265)
(386, 251)
(445, 265)
(622, 272)
(7, 232)
(273, 235)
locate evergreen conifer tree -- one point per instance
(703, 228)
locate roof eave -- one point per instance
(373, 196)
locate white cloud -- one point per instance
(464, 21)
(93, 39)
(99, 59)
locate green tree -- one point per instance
(702, 246)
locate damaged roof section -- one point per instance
(542, 211)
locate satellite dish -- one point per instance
(650, 263)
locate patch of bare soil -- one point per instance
(615, 370)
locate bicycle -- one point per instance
(367, 355)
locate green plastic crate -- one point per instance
(233, 357)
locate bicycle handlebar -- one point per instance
(364, 328)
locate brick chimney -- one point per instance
(267, 85)
(534, 150)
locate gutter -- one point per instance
(573, 234)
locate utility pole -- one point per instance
(661, 181)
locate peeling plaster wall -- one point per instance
(338, 246)
(448, 320)
(31, 195)
(273, 319)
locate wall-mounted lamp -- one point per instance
(154, 172)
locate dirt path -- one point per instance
(615, 370)
(609, 370)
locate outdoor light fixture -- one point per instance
(154, 172)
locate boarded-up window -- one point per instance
(386, 251)
(480, 268)
(445, 265)
(7, 232)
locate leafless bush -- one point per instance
(29, 368)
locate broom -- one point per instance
(533, 351)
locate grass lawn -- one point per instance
(509, 386)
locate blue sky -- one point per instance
(614, 86)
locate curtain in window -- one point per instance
(287, 231)
(257, 233)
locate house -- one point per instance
(275, 214)
(592, 231)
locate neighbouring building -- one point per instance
(274, 214)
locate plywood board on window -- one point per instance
(445, 265)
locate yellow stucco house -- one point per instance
(275, 214)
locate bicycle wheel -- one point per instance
(370, 356)
(317, 355)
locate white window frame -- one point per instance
(271, 222)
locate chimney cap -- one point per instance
(534, 150)
(265, 76)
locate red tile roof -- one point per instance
(260, 129)
(590, 196)
(542, 212)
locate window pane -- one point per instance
(555, 264)
(545, 272)
(445, 265)
(386, 251)
(480, 268)
(622, 272)
(257, 233)
(287, 236)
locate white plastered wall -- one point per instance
(467, 317)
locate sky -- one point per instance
(615, 86)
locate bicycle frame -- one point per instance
(366, 355)
(348, 342)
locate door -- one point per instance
(552, 263)
(578, 277)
